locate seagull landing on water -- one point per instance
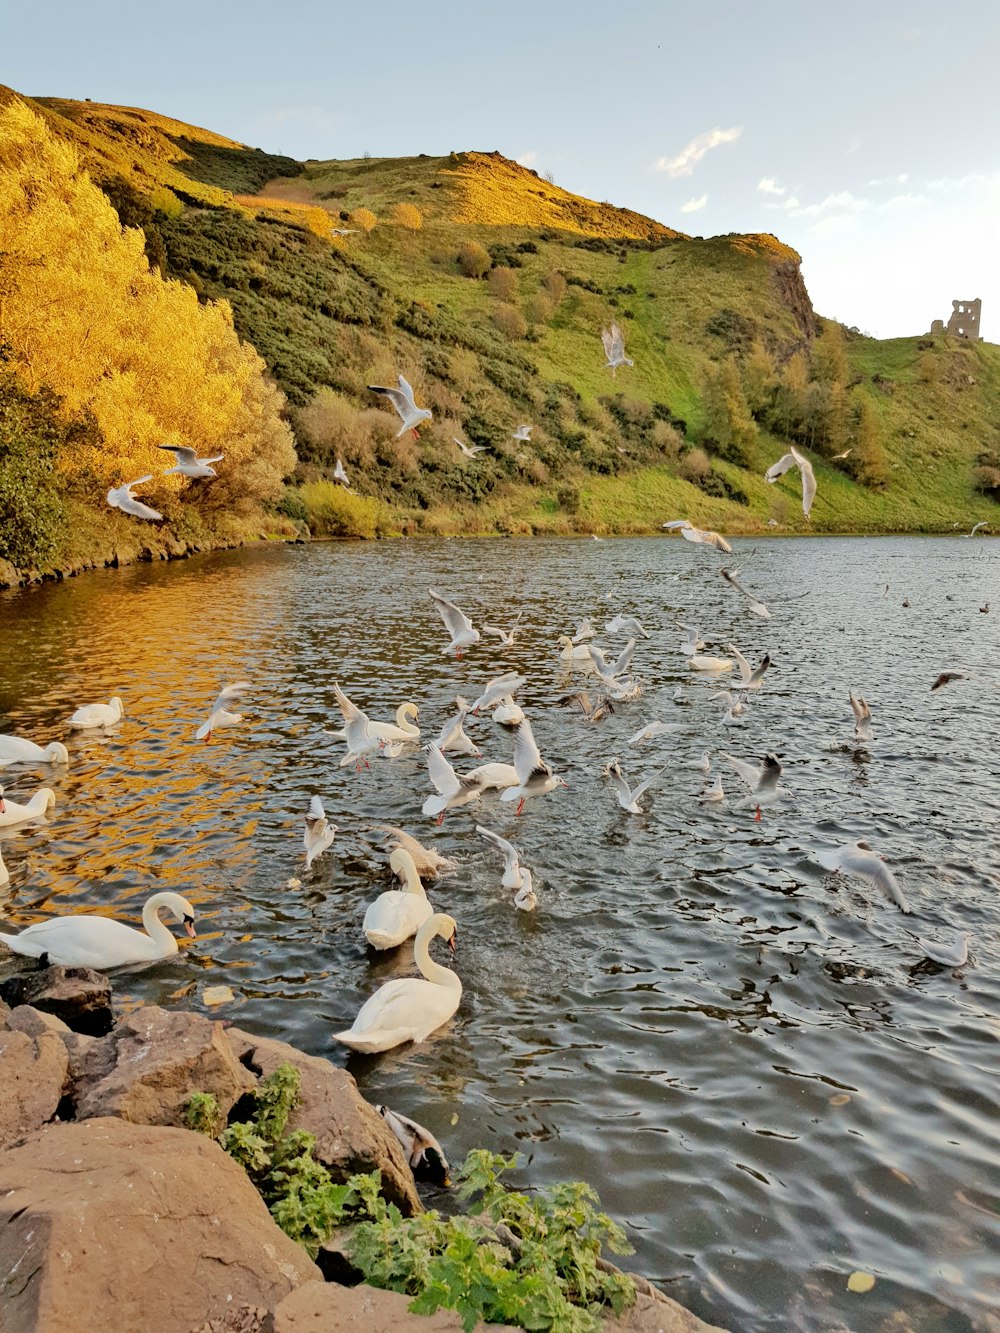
(862, 717)
(453, 739)
(610, 671)
(701, 536)
(340, 475)
(758, 608)
(220, 717)
(523, 433)
(694, 643)
(614, 348)
(857, 858)
(402, 400)
(594, 710)
(794, 459)
(121, 497)
(512, 869)
(506, 636)
(749, 679)
(534, 776)
(584, 631)
(983, 524)
(319, 832)
(188, 464)
(469, 451)
(456, 622)
(763, 782)
(628, 797)
(627, 625)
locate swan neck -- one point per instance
(441, 976)
(412, 883)
(155, 928)
(403, 715)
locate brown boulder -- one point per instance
(653, 1312)
(334, 1309)
(125, 1227)
(146, 1070)
(350, 1134)
(33, 1076)
(79, 996)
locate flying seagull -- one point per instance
(402, 400)
(857, 858)
(506, 636)
(610, 671)
(121, 497)
(522, 433)
(220, 716)
(758, 608)
(794, 459)
(627, 624)
(512, 871)
(452, 790)
(628, 797)
(976, 529)
(703, 537)
(534, 776)
(469, 451)
(188, 464)
(340, 475)
(592, 709)
(319, 832)
(763, 782)
(862, 717)
(456, 622)
(749, 679)
(614, 348)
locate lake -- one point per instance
(745, 1055)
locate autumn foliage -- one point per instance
(82, 314)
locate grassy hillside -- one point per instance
(487, 287)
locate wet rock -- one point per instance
(33, 1078)
(653, 1312)
(146, 1070)
(79, 996)
(334, 1309)
(116, 1226)
(350, 1135)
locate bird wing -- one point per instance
(770, 772)
(316, 810)
(407, 391)
(870, 866)
(624, 659)
(720, 543)
(598, 659)
(746, 772)
(745, 673)
(646, 783)
(350, 711)
(231, 692)
(441, 773)
(677, 523)
(608, 339)
(779, 468)
(617, 340)
(808, 480)
(625, 794)
(183, 454)
(527, 757)
(454, 620)
(506, 849)
(859, 708)
(397, 398)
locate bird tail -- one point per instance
(511, 794)
(17, 945)
(434, 805)
(380, 939)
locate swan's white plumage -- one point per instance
(100, 941)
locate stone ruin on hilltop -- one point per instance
(964, 321)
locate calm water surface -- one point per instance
(745, 1056)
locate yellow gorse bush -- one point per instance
(84, 314)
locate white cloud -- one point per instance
(890, 180)
(843, 202)
(694, 205)
(768, 185)
(527, 159)
(692, 153)
(791, 202)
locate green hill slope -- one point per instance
(487, 287)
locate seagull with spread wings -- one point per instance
(534, 776)
(121, 497)
(452, 790)
(628, 797)
(456, 622)
(700, 536)
(794, 459)
(188, 464)
(319, 832)
(407, 410)
(468, 451)
(614, 348)
(762, 781)
(862, 717)
(860, 860)
(220, 717)
(506, 636)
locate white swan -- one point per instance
(398, 913)
(16, 750)
(570, 652)
(99, 941)
(701, 663)
(403, 730)
(4, 873)
(12, 813)
(507, 712)
(98, 715)
(411, 1008)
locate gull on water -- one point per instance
(121, 497)
(702, 536)
(319, 832)
(220, 716)
(534, 776)
(693, 643)
(794, 459)
(862, 717)
(628, 797)
(860, 860)
(713, 795)
(407, 410)
(456, 622)
(452, 791)
(953, 952)
(506, 636)
(512, 871)
(507, 712)
(188, 464)
(453, 739)
(614, 348)
(525, 899)
(469, 451)
(522, 433)
(509, 683)
(340, 475)
(762, 781)
(704, 764)
(758, 608)
(735, 709)
(626, 624)
(360, 741)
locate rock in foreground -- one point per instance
(79, 996)
(134, 1227)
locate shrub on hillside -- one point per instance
(31, 432)
(408, 216)
(502, 283)
(509, 320)
(541, 308)
(364, 219)
(473, 260)
(555, 285)
(695, 466)
(332, 511)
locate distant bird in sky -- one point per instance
(188, 464)
(837, 457)
(469, 451)
(794, 459)
(402, 400)
(614, 348)
(522, 433)
(343, 231)
(121, 497)
(456, 622)
(340, 475)
(702, 536)
(946, 677)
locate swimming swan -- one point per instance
(15, 750)
(411, 1008)
(398, 913)
(99, 941)
(98, 715)
(12, 813)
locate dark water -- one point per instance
(747, 1058)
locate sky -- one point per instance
(866, 135)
